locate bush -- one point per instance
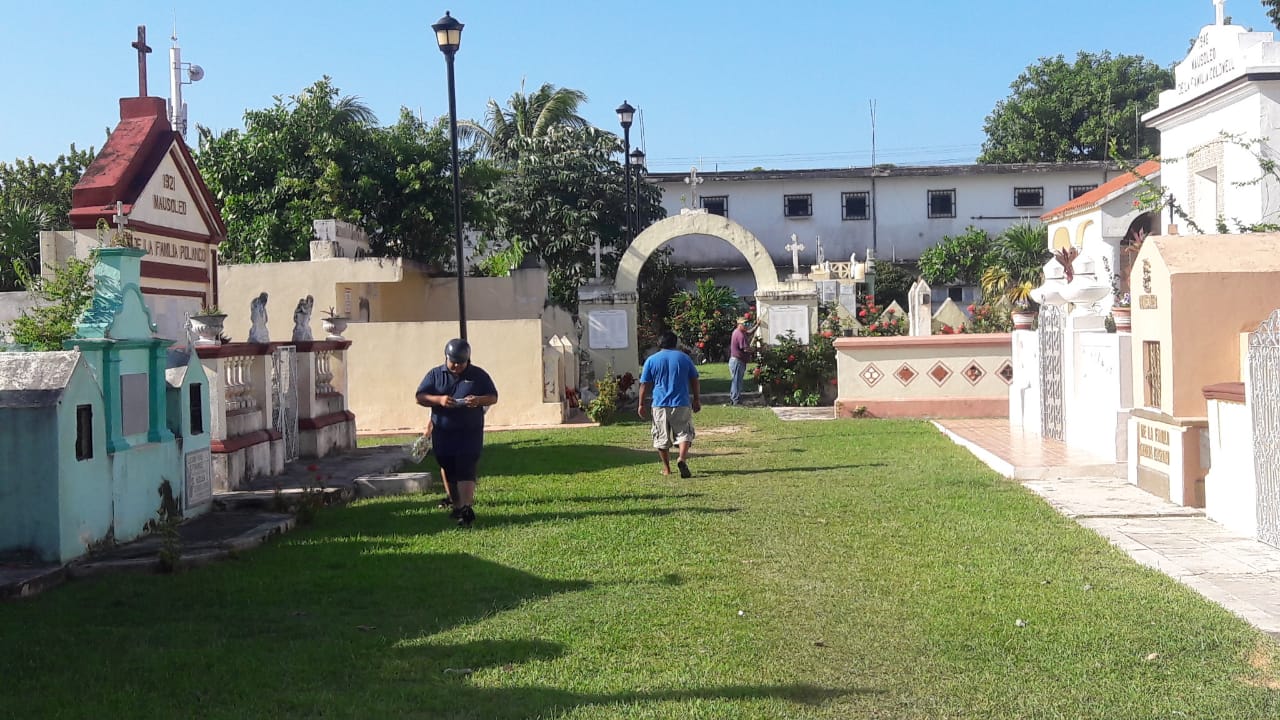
(704, 320)
(69, 292)
(794, 374)
(611, 394)
(877, 323)
(989, 319)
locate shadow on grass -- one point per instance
(420, 517)
(788, 470)
(497, 502)
(532, 458)
(531, 702)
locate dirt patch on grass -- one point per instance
(725, 430)
(1263, 660)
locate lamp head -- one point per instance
(625, 114)
(448, 34)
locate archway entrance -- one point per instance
(608, 310)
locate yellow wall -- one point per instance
(386, 362)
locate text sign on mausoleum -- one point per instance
(1153, 447)
(1215, 59)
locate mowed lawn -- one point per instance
(840, 569)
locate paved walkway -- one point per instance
(1241, 574)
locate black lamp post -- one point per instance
(449, 37)
(625, 114)
(636, 161)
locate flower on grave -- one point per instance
(970, 308)
(701, 345)
(313, 467)
(826, 333)
(1122, 301)
(834, 381)
(862, 313)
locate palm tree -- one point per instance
(525, 116)
(20, 226)
(1020, 253)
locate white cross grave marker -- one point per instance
(121, 220)
(693, 181)
(794, 248)
(1219, 12)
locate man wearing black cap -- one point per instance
(457, 393)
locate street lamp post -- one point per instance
(636, 161)
(449, 37)
(625, 114)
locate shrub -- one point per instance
(611, 394)
(989, 319)
(69, 292)
(876, 322)
(794, 374)
(704, 320)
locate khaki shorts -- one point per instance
(672, 425)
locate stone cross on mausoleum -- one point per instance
(794, 248)
(693, 181)
(1219, 12)
(121, 220)
(141, 46)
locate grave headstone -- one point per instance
(921, 302)
(789, 318)
(949, 314)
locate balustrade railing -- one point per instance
(324, 373)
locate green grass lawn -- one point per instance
(844, 569)
(714, 378)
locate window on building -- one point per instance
(197, 408)
(956, 294)
(716, 204)
(942, 203)
(797, 205)
(1076, 191)
(1028, 197)
(856, 205)
(84, 432)
(1151, 373)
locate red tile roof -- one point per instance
(127, 162)
(1104, 191)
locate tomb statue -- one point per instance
(302, 319)
(258, 318)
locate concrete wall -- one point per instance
(29, 509)
(924, 376)
(903, 228)
(387, 361)
(1231, 487)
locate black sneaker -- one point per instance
(445, 503)
(465, 516)
(684, 469)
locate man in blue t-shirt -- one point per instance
(458, 393)
(671, 379)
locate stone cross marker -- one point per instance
(1219, 11)
(141, 46)
(794, 248)
(920, 315)
(693, 181)
(121, 220)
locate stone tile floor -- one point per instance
(1238, 573)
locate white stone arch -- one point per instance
(695, 223)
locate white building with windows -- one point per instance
(898, 211)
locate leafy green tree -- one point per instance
(319, 154)
(565, 191)
(46, 186)
(530, 115)
(658, 283)
(20, 226)
(1273, 11)
(893, 282)
(958, 259)
(1060, 111)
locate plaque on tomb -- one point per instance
(199, 486)
(1148, 302)
(135, 403)
(789, 318)
(828, 290)
(607, 329)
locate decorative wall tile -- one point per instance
(906, 374)
(940, 372)
(871, 375)
(973, 372)
(1006, 372)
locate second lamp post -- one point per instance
(625, 114)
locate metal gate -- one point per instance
(1264, 399)
(1051, 386)
(284, 393)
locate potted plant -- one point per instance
(1022, 314)
(333, 324)
(207, 325)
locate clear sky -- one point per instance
(725, 84)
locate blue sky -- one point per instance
(720, 84)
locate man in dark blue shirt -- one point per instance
(458, 393)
